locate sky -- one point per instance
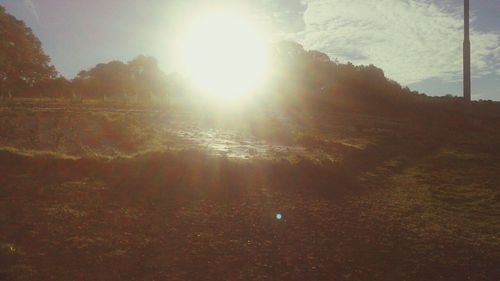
(417, 43)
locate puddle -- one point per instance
(95, 134)
(242, 146)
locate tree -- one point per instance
(58, 87)
(22, 60)
(140, 77)
(300, 71)
(105, 79)
(318, 56)
(147, 78)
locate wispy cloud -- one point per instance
(30, 5)
(412, 40)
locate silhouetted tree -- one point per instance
(147, 78)
(58, 87)
(311, 78)
(107, 79)
(140, 77)
(22, 60)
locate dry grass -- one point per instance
(399, 200)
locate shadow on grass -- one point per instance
(171, 176)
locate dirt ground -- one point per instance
(142, 194)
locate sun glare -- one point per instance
(225, 56)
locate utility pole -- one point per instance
(467, 81)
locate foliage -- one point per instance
(313, 74)
(140, 77)
(300, 78)
(22, 60)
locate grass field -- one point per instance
(95, 191)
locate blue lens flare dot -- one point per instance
(279, 216)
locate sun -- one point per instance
(224, 55)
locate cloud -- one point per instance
(412, 40)
(30, 5)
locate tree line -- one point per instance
(25, 70)
(298, 75)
